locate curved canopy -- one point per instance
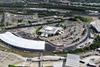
(13, 40)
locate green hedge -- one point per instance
(12, 66)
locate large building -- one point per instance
(22, 43)
(50, 30)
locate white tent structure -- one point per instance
(49, 30)
(72, 60)
(15, 41)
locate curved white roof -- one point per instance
(13, 40)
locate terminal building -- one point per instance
(21, 43)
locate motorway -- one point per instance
(45, 6)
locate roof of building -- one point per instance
(50, 29)
(13, 40)
(72, 60)
(96, 25)
(17, 16)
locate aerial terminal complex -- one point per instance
(56, 31)
(49, 33)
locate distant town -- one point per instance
(49, 33)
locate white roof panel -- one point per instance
(72, 60)
(21, 42)
(96, 25)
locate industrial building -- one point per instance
(50, 30)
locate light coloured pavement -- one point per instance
(9, 58)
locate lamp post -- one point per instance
(40, 59)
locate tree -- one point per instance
(12, 66)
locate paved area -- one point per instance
(44, 61)
(90, 57)
(9, 58)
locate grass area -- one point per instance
(84, 19)
(12, 66)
